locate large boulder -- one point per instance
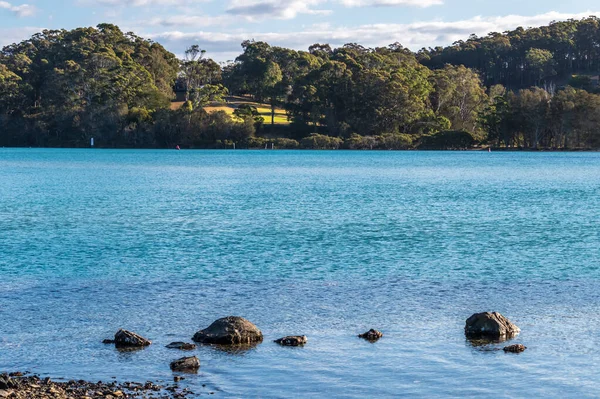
(128, 339)
(186, 364)
(296, 340)
(490, 325)
(230, 331)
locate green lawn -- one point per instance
(234, 102)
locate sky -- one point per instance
(219, 26)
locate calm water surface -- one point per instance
(327, 244)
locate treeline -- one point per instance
(526, 57)
(528, 88)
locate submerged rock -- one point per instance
(490, 325)
(186, 364)
(128, 339)
(296, 340)
(371, 335)
(108, 341)
(181, 345)
(515, 348)
(230, 331)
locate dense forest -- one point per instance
(534, 88)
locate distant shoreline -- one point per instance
(485, 149)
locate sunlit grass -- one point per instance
(234, 102)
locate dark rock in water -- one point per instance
(108, 341)
(230, 331)
(128, 339)
(182, 346)
(490, 325)
(371, 335)
(297, 340)
(515, 348)
(186, 364)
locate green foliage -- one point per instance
(390, 141)
(525, 57)
(317, 141)
(277, 143)
(60, 88)
(459, 96)
(202, 96)
(286, 144)
(583, 82)
(448, 140)
(541, 64)
(73, 85)
(201, 78)
(246, 111)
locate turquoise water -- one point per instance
(327, 244)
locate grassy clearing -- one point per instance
(233, 102)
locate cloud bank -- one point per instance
(23, 10)
(224, 44)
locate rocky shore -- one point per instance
(481, 329)
(19, 386)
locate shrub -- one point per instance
(448, 140)
(395, 141)
(287, 144)
(321, 142)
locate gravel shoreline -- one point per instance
(21, 386)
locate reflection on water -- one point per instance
(235, 350)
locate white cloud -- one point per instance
(190, 20)
(221, 45)
(23, 10)
(135, 3)
(16, 35)
(391, 3)
(254, 10)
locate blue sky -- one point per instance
(219, 26)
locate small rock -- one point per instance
(298, 340)
(371, 335)
(186, 364)
(118, 394)
(490, 325)
(178, 378)
(124, 339)
(108, 341)
(230, 331)
(515, 348)
(182, 346)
